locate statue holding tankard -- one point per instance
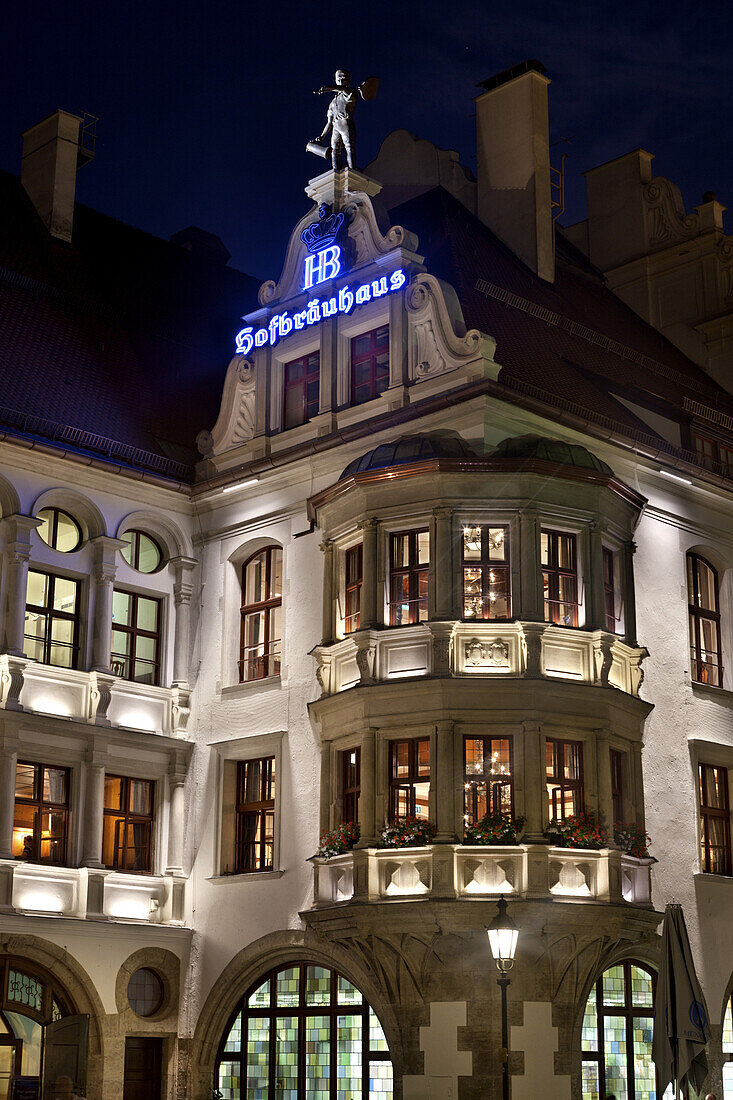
(340, 119)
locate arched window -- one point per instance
(304, 1031)
(262, 588)
(29, 1001)
(728, 1051)
(59, 530)
(705, 650)
(142, 551)
(616, 1041)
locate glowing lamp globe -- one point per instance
(503, 935)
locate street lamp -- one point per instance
(503, 935)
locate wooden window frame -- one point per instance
(699, 667)
(134, 545)
(554, 572)
(472, 783)
(721, 454)
(629, 1013)
(311, 373)
(54, 528)
(50, 614)
(558, 780)
(352, 587)
(350, 785)
(129, 819)
(617, 786)
(257, 810)
(719, 813)
(406, 784)
(118, 660)
(486, 565)
(375, 385)
(413, 571)
(269, 661)
(40, 806)
(609, 589)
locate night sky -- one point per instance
(205, 108)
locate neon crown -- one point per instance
(321, 234)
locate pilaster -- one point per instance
(182, 592)
(93, 809)
(329, 601)
(442, 566)
(176, 790)
(531, 608)
(104, 573)
(367, 815)
(445, 783)
(534, 782)
(17, 555)
(368, 618)
(8, 762)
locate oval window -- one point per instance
(145, 992)
(142, 552)
(59, 530)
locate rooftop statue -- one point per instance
(340, 119)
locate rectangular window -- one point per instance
(715, 848)
(127, 841)
(354, 575)
(617, 787)
(301, 380)
(255, 811)
(51, 633)
(487, 777)
(609, 589)
(40, 822)
(351, 778)
(369, 364)
(486, 572)
(136, 637)
(409, 569)
(564, 777)
(559, 577)
(409, 779)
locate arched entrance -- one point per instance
(38, 1024)
(304, 1029)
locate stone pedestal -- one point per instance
(334, 187)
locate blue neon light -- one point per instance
(282, 324)
(322, 265)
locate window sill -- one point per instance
(708, 691)
(252, 687)
(245, 876)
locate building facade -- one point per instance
(446, 596)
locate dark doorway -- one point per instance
(143, 1068)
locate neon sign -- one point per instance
(317, 310)
(322, 265)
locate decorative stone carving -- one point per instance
(365, 660)
(236, 421)
(438, 340)
(494, 653)
(604, 658)
(667, 218)
(100, 697)
(571, 880)
(532, 643)
(11, 681)
(491, 877)
(180, 710)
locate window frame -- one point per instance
(629, 1014)
(134, 546)
(609, 590)
(353, 587)
(719, 813)
(721, 453)
(554, 572)
(486, 565)
(696, 613)
(130, 818)
(258, 809)
(617, 786)
(560, 782)
(54, 526)
(308, 376)
(350, 785)
(413, 571)
(472, 782)
(39, 805)
(135, 632)
(370, 357)
(407, 784)
(50, 614)
(268, 605)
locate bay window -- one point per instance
(487, 778)
(409, 569)
(559, 577)
(409, 779)
(351, 785)
(564, 778)
(354, 568)
(485, 554)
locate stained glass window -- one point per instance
(616, 1037)
(305, 1031)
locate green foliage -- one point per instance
(495, 828)
(408, 832)
(339, 840)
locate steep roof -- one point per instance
(117, 344)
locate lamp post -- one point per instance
(503, 935)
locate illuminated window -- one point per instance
(255, 811)
(617, 787)
(369, 365)
(261, 615)
(127, 839)
(51, 633)
(351, 779)
(354, 567)
(487, 778)
(59, 530)
(135, 651)
(610, 596)
(409, 779)
(409, 569)
(304, 1031)
(728, 1051)
(141, 552)
(559, 577)
(486, 572)
(145, 992)
(616, 1039)
(40, 824)
(704, 616)
(564, 778)
(301, 380)
(715, 847)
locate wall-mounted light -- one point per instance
(240, 485)
(676, 477)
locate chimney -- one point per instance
(51, 156)
(513, 160)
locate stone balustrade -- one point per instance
(92, 894)
(480, 649)
(481, 871)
